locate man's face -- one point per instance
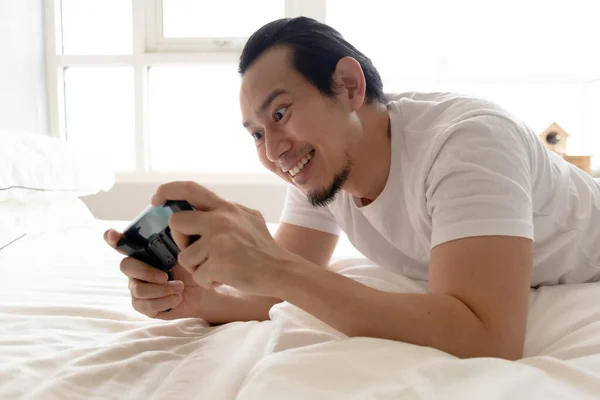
(300, 134)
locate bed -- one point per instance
(68, 331)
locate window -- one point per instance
(534, 58)
(225, 19)
(99, 110)
(85, 27)
(153, 85)
(198, 105)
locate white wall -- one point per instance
(125, 201)
(23, 102)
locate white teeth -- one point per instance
(298, 167)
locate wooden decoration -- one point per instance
(555, 139)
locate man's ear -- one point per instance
(349, 82)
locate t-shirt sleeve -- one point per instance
(297, 210)
(479, 183)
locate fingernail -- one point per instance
(162, 277)
(176, 286)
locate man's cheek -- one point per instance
(266, 162)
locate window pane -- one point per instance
(97, 26)
(473, 36)
(99, 107)
(225, 18)
(196, 122)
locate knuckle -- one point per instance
(141, 306)
(189, 187)
(134, 288)
(220, 241)
(150, 275)
(161, 188)
(231, 207)
(226, 221)
(136, 304)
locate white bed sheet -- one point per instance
(67, 331)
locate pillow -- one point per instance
(38, 167)
(18, 219)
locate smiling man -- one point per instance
(437, 186)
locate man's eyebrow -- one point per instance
(265, 104)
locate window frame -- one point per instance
(157, 43)
(150, 48)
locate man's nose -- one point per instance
(276, 144)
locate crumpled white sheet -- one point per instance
(67, 331)
(309, 359)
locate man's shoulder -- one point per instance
(427, 109)
(427, 123)
(428, 119)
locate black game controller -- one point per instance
(148, 238)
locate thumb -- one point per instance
(182, 241)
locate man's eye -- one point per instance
(279, 114)
(257, 135)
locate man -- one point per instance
(439, 187)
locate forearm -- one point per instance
(226, 304)
(432, 320)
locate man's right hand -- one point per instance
(152, 293)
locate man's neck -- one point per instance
(370, 154)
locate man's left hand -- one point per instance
(235, 246)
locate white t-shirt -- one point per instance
(464, 167)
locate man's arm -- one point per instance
(226, 304)
(477, 305)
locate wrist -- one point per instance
(295, 272)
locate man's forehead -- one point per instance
(271, 69)
(271, 72)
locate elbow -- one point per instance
(509, 353)
(506, 348)
(503, 352)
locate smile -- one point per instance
(301, 164)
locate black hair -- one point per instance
(316, 49)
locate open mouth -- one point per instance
(301, 164)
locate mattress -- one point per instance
(68, 331)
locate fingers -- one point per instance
(153, 307)
(148, 291)
(196, 223)
(112, 237)
(206, 275)
(194, 255)
(184, 224)
(181, 240)
(138, 270)
(249, 210)
(198, 196)
(151, 293)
